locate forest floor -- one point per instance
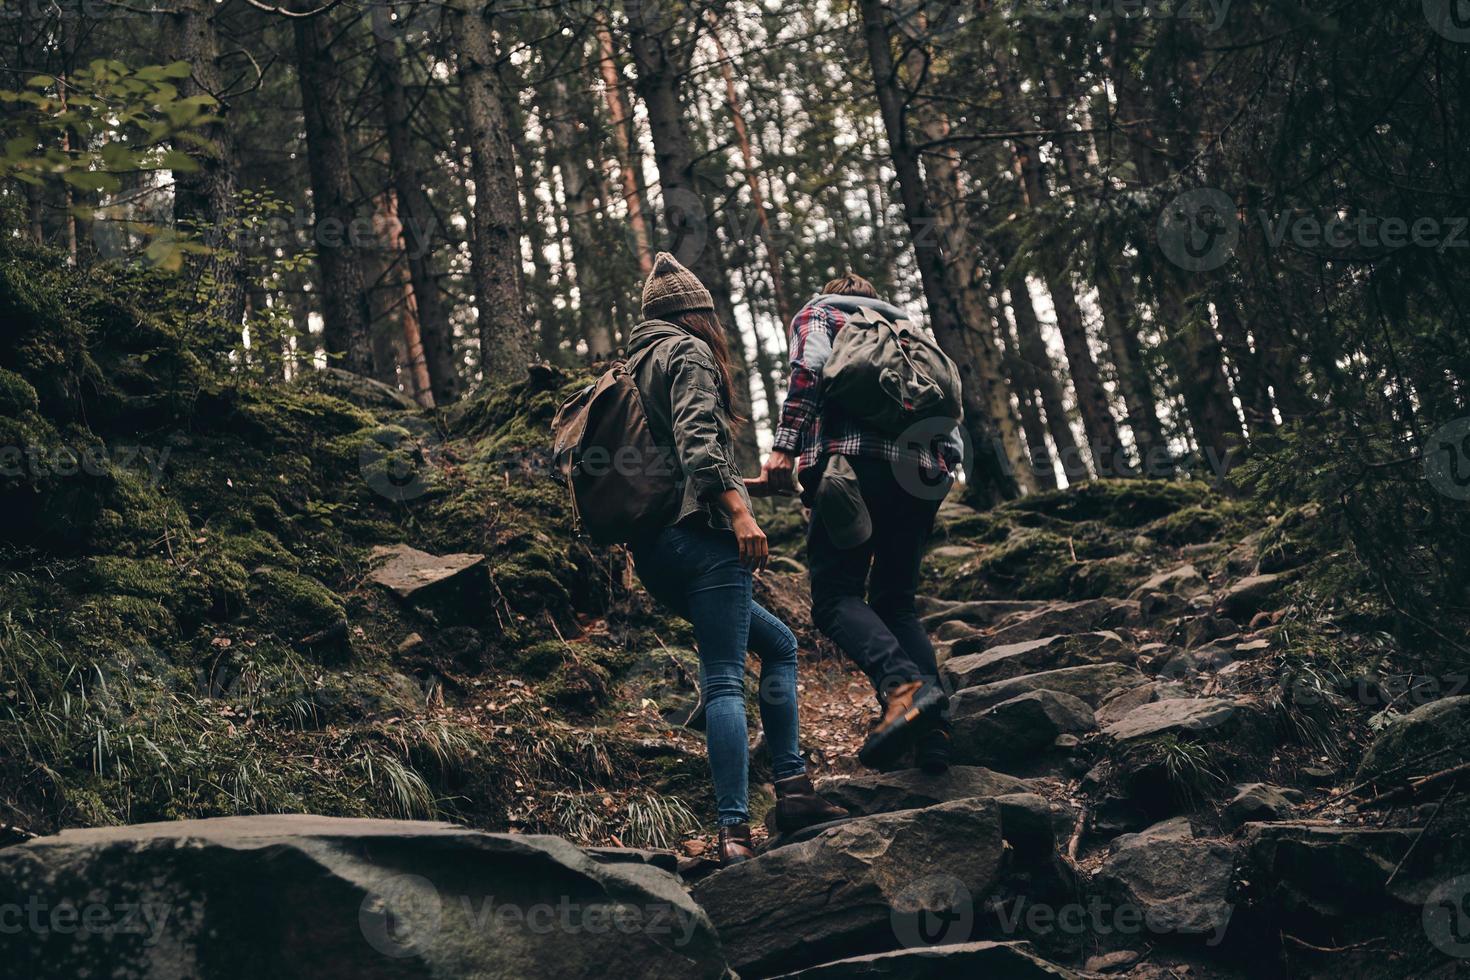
(318, 598)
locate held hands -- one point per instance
(779, 473)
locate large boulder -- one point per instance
(1086, 682)
(979, 613)
(1057, 618)
(1252, 594)
(1172, 717)
(1432, 737)
(967, 668)
(1182, 581)
(300, 895)
(849, 890)
(1178, 884)
(410, 573)
(1312, 876)
(1016, 730)
(1118, 703)
(1000, 961)
(1258, 802)
(910, 789)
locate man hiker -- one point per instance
(873, 498)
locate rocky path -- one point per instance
(1112, 809)
(1133, 795)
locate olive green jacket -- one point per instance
(680, 385)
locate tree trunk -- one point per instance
(1043, 471)
(345, 316)
(1116, 298)
(784, 310)
(1092, 397)
(417, 217)
(625, 143)
(1250, 379)
(495, 255)
(1193, 352)
(204, 199)
(1044, 378)
(1190, 347)
(688, 216)
(395, 303)
(990, 479)
(966, 279)
(570, 148)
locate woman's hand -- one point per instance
(754, 549)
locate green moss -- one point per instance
(17, 397)
(536, 661)
(1030, 564)
(578, 685)
(254, 548)
(292, 605)
(1117, 503)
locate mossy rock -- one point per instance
(1030, 564)
(579, 685)
(1107, 577)
(535, 661)
(293, 606)
(1117, 503)
(17, 396)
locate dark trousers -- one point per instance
(883, 635)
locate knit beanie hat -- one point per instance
(670, 288)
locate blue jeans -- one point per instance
(695, 570)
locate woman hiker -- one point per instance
(700, 564)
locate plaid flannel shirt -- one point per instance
(812, 429)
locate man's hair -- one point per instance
(851, 284)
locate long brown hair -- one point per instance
(706, 326)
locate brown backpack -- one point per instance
(623, 483)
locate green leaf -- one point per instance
(92, 180)
(179, 162)
(40, 81)
(165, 254)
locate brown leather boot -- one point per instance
(798, 806)
(910, 708)
(735, 845)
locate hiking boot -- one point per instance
(911, 708)
(798, 806)
(734, 845)
(932, 751)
